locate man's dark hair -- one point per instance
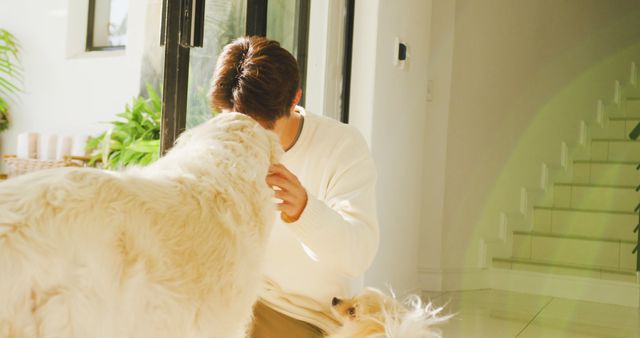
(256, 77)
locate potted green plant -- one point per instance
(10, 74)
(133, 140)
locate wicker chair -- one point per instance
(18, 166)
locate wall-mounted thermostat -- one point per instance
(400, 53)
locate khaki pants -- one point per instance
(268, 323)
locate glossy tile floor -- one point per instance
(496, 313)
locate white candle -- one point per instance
(79, 143)
(64, 147)
(47, 147)
(27, 145)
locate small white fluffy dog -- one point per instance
(372, 314)
(170, 250)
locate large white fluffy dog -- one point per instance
(170, 250)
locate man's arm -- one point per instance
(341, 230)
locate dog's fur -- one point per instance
(170, 250)
(372, 314)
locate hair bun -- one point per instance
(239, 68)
(257, 77)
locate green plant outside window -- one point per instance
(10, 75)
(133, 141)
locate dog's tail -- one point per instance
(418, 322)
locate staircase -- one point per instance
(584, 225)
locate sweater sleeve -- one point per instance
(342, 230)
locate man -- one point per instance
(327, 235)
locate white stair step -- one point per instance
(629, 123)
(632, 106)
(595, 197)
(605, 172)
(585, 223)
(615, 150)
(616, 128)
(623, 275)
(631, 90)
(598, 254)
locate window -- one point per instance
(224, 20)
(107, 25)
(188, 69)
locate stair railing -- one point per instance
(634, 134)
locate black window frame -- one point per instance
(347, 60)
(302, 41)
(256, 17)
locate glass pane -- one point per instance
(224, 21)
(118, 23)
(313, 31)
(287, 23)
(109, 24)
(101, 99)
(139, 145)
(325, 56)
(281, 23)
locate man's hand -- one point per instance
(287, 188)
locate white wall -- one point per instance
(435, 142)
(392, 114)
(523, 75)
(65, 89)
(509, 81)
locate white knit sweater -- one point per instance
(324, 253)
